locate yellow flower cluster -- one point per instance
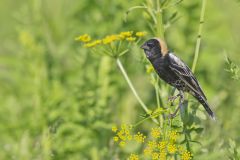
(114, 128)
(152, 144)
(110, 39)
(172, 148)
(162, 145)
(92, 44)
(83, 38)
(139, 137)
(122, 134)
(163, 155)
(133, 157)
(157, 146)
(186, 155)
(125, 34)
(128, 36)
(141, 34)
(155, 155)
(173, 136)
(155, 132)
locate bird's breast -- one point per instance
(162, 68)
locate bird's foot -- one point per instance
(173, 98)
(172, 115)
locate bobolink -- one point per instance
(175, 72)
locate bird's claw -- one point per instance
(171, 116)
(172, 98)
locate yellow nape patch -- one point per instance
(163, 45)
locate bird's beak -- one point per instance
(145, 47)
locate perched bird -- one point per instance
(175, 72)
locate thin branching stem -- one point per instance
(197, 48)
(119, 63)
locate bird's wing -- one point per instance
(185, 74)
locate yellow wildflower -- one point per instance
(93, 44)
(155, 155)
(83, 38)
(130, 39)
(122, 143)
(110, 39)
(115, 138)
(162, 145)
(133, 157)
(155, 132)
(124, 133)
(186, 155)
(139, 137)
(150, 69)
(98, 41)
(121, 37)
(163, 155)
(125, 34)
(173, 135)
(127, 132)
(152, 144)
(114, 128)
(147, 151)
(89, 45)
(121, 135)
(126, 129)
(141, 34)
(172, 148)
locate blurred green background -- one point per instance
(59, 101)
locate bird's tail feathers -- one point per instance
(206, 107)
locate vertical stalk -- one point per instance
(199, 35)
(158, 99)
(119, 63)
(160, 34)
(157, 94)
(159, 25)
(156, 80)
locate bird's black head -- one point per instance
(154, 48)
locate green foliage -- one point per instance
(233, 69)
(59, 101)
(233, 150)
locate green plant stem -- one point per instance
(119, 63)
(157, 93)
(159, 27)
(160, 34)
(158, 99)
(156, 80)
(199, 35)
